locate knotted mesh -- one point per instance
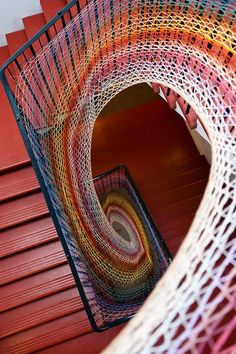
(188, 46)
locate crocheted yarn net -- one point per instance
(188, 46)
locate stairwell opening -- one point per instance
(139, 129)
(121, 230)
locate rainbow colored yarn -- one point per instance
(187, 45)
(142, 247)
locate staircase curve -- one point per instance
(89, 56)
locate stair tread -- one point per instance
(48, 334)
(35, 287)
(51, 7)
(91, 343)
(40, 311)
(177, 209)
(24, 209)
(174, 245)
(10, 158)
(18, 183)
(171, 182)
(177, 168)
(27, 236)
(176, 194)
(31, 261)
(73, 10)
(4, 54)
(33, 24)
(176, 224)
(16, 40)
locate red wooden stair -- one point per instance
(172, 98)
(40, 306)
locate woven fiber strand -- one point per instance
(121, 203)
(188, 46)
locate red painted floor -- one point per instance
(40, 307)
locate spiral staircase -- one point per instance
(41, 307)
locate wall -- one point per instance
(204, 147)
(11, 14)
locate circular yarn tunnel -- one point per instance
(188, 46)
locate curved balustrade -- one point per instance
(188, 46)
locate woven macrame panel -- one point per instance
(188, 46)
